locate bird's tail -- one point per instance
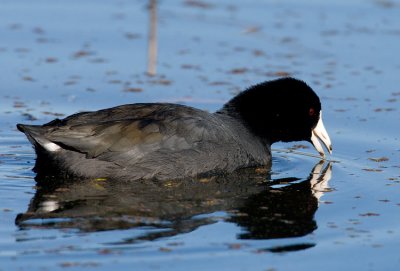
(35, 134)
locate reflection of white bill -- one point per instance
(319, 179)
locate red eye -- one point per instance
(311, 112)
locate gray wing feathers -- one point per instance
(97, 139)
(140, 142)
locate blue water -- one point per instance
(61, 57)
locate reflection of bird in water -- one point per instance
(263, 208)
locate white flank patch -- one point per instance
(51, 147)
(48, 206)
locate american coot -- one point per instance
(169, 141)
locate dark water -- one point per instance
(61, 57)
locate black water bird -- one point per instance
(171, 141)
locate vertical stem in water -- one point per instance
(152, 46)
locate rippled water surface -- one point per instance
(60, 57)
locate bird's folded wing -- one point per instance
(132, 139)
